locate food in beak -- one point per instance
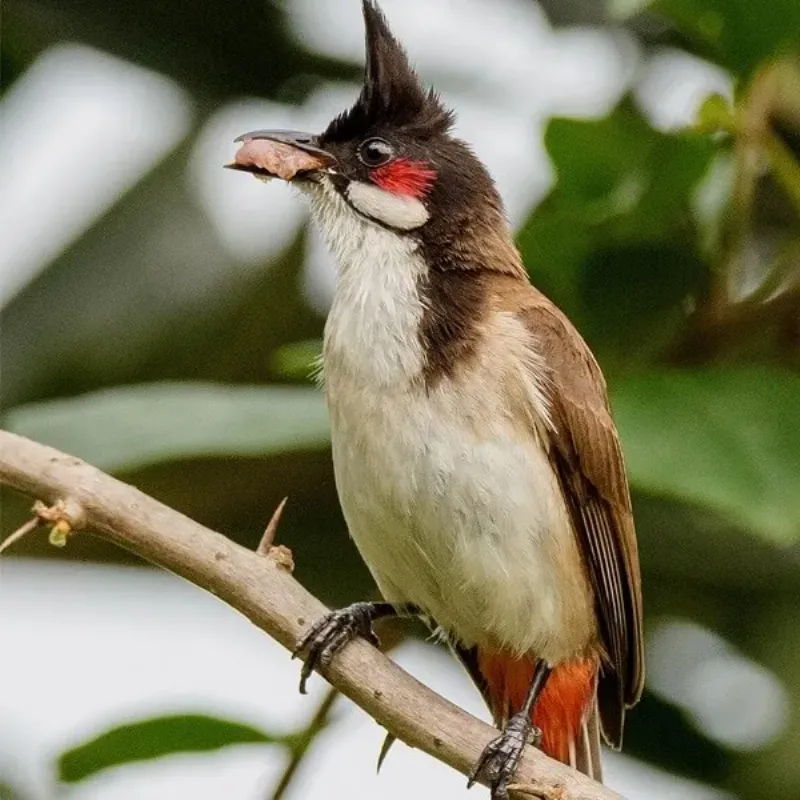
(268, 158)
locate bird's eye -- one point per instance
(375, 152)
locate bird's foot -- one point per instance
(331, 634)
(501, 756)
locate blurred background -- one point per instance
(160, 315)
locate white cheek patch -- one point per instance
(396, 211)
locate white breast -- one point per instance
(450, 499)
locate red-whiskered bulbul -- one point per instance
(476, 459)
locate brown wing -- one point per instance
(586, 454)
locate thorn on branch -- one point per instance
(64, 517)
(280, 554)
(268, 538)
(23, 530)
(388, 741)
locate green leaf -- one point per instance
(298, 360)
(154, 738)
(616, 243)
(634, 295)
(554, 243)
(716, 115)
(134, 426)
(594, 159)
(621, 168)
(726, 439)
(739, 34)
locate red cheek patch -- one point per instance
(404, 177)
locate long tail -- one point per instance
(565, 713)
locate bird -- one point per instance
(475, 454)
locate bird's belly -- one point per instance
(464, 520)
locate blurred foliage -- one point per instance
(730, 33)
(676, 253)
(155, 738)
(216, 50)
(623, 200)
(735, 453)
(237, 421)
(7, 792)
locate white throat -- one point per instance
(397, 211)
(372, 332)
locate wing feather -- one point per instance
(586, 455)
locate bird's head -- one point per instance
(390, 160)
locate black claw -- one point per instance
(331, 634)
(501, 756)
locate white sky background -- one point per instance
(85, 646)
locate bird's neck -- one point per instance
(372, 332)
(407, 311)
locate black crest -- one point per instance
(392, 94)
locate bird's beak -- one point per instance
(280, 154)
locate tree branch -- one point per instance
(267, 594)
